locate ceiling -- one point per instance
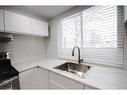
(46, 12)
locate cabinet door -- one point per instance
(1, 21)
(39, 28)
(87, 87)
(16, 23)
(54, 85)
(58, 81)
(29, 79)
(42, 78)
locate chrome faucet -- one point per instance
(79, 59)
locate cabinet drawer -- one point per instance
(87, 87)
(54, 85)
(64, 82)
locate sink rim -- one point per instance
(84, 74)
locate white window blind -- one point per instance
(71, 31)
(98, 31)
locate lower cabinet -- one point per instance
(39, 78)
(36, 78)
(42, 78)
(87, 87)
(57, 81)
(54, 85)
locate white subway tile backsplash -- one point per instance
(24, 48)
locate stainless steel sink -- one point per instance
(75, 68)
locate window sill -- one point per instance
(96, 64)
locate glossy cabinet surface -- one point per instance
(28, 79)
(20, 24)
(39, 78)
(42, 78)
(54, 85)
(87, 87)
(36, 78)
(57, 81)
(16, 23)
(39, 28)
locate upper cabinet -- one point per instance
(20, 24)
(39, 28)
(1, 21)
(16, 23)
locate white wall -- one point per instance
(51, 42)
(125, 38)
(24, 48)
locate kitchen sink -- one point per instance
(75, 68)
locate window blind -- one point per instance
(69, 36)
(103, 35)
(98, 31)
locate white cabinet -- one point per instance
(57, 81)
(54, 85)
(28, 79)
(36, 78)
(39, 78)
(87, 87)
(1, 21)
(42, 78)
(20, 24)
(39, 28)
(16, 23)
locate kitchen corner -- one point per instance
(36, 41)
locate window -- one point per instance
(98, 31)
(71, 31)
(100, 27)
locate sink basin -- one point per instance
(75, 68)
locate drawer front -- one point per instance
(87, 87)
(54, 85)
(64, 82)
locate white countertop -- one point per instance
(99, 77)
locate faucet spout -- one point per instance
(79, 59)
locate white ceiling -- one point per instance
(46, 12)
